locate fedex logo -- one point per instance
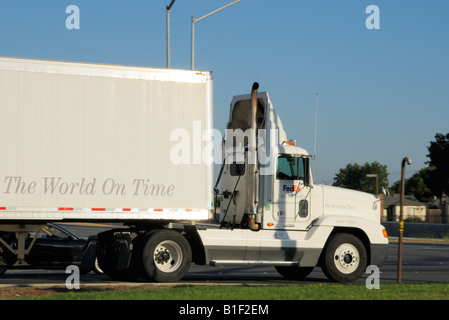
(293, 188)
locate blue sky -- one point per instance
(383, 94)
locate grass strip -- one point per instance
(425, 291)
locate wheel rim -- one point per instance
(346, 258)
(167, 256)
(97, 268)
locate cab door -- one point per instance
(291, 195)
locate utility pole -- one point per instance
(408, 161)
(168, 8)
(195, 20)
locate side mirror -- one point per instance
(306, 172)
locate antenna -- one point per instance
(316, 119)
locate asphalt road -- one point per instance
(422, 262)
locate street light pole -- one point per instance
(168, 8)
(408, 161)
(374, 175)
(195, 20)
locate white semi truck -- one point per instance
(133, 145)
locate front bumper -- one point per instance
(379, 253)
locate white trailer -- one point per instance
(90, 142)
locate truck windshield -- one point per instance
(290, 168)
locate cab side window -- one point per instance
(290, 168)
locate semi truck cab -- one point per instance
(272, 212)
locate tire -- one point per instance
(345, 258)
(166, 256)
(294, 273)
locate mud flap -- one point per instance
(123, 245)
(114, 250)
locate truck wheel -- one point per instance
(166, 256)
(345, 258)
(294, 273)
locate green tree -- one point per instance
(353, 176)
(439, 156)
(417, 185)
